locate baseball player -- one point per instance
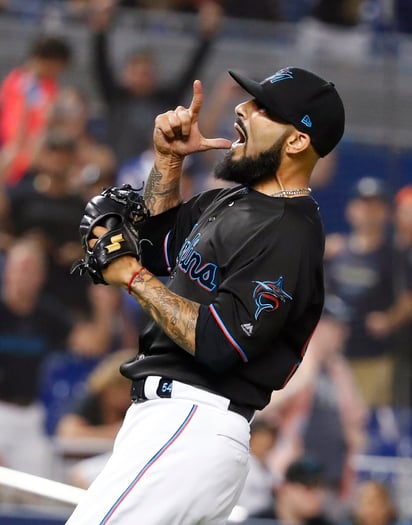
(233, 323)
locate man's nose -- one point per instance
(241, 109)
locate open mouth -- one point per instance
(241, 132)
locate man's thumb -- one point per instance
(216, 144)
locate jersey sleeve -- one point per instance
(254, 306)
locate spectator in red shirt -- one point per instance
(26, 96)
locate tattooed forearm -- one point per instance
(176, 315)
(161, 194)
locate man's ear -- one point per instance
(297, 142)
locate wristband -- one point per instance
(133, 277)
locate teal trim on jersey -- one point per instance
(232, 341)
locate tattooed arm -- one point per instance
(176, 315)
(176, 135)
(162, 188)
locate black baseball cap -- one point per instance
(370, 188)
(303, 99)
(306, 471)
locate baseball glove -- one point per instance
(119, 210)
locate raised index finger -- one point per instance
(197, 99)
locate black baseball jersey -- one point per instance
(255, 264)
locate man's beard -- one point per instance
(251, 170)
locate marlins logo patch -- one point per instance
(268, 295)
(283, 74)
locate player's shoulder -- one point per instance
(216, 194)
(219, 193)
(302, 214)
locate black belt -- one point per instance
(165, 391)
(20, 401)
(247, 412)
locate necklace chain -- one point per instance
(291, 193)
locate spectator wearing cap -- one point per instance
(360, 271)
(400, 313)
(300, 497)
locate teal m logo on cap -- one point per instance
(282, 74)
(306, 120)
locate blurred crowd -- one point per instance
(343, 13)
(62, 339)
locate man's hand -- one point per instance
(177, 133)
(118, 211)
(119, 270)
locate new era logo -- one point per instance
(306, 120)
(247, 328)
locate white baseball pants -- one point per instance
(177, 461)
